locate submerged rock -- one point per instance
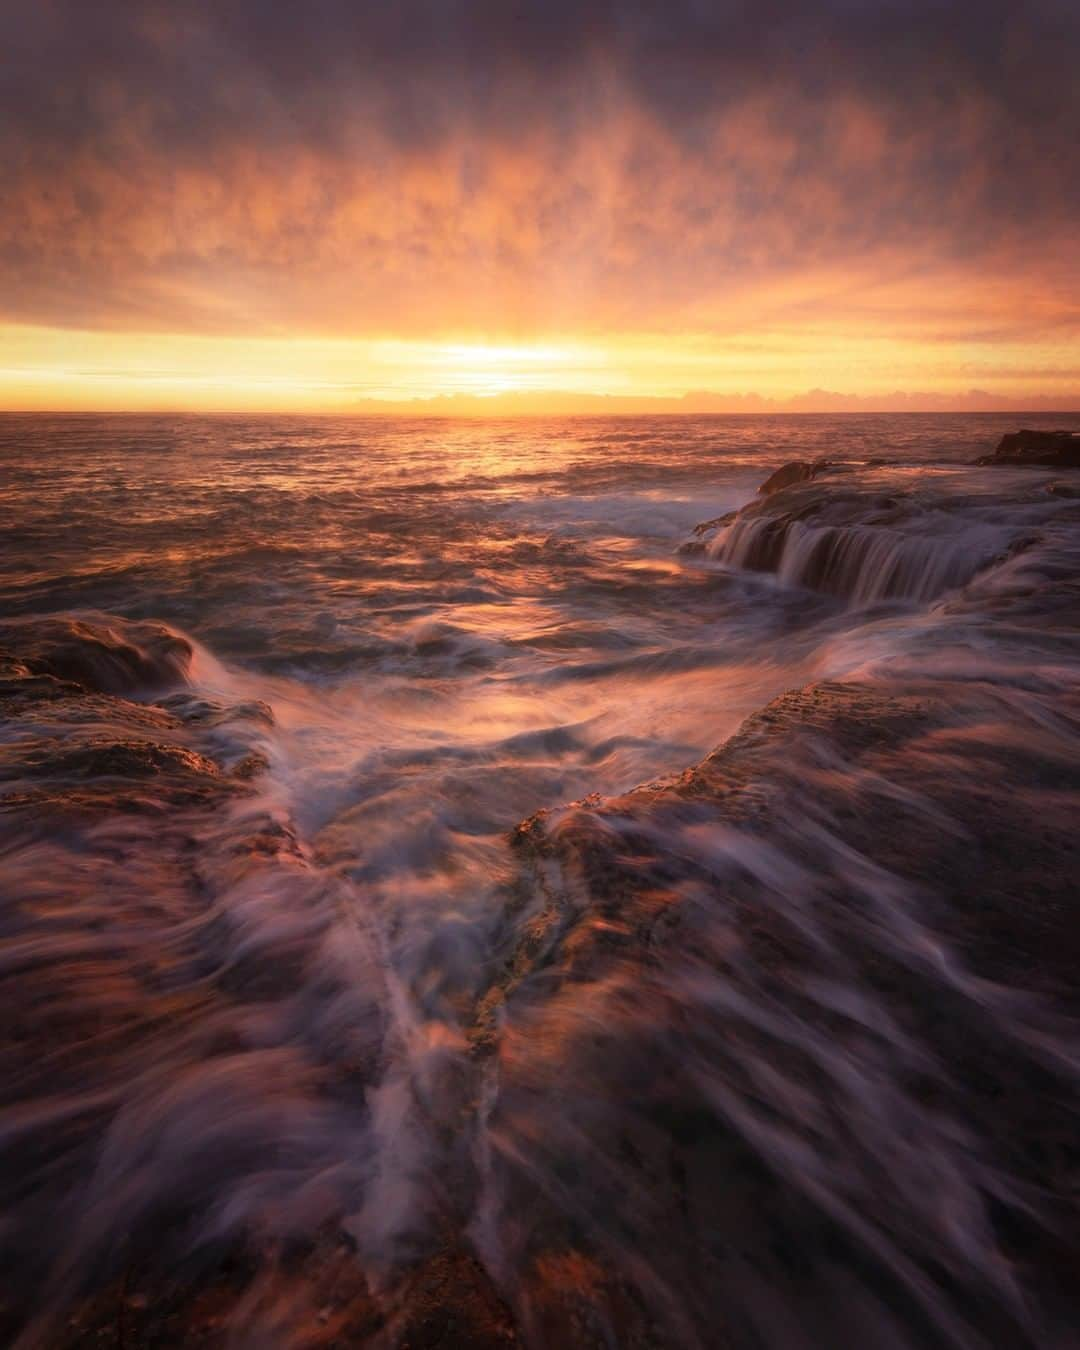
(1055, 449)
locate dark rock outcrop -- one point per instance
(738, 960)
(699, 542)
(865, 539)
(125, 825)
(100, 653)
(796, 471)
(1054, 449)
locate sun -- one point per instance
(488, 369)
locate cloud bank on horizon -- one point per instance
(770, 175)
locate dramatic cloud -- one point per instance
(350, 169)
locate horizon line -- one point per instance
(556, 402)
(400, 410)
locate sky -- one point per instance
(539, 204)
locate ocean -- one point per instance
(443, 885)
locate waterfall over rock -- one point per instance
(867, 546)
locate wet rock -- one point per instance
(234, 735)
(450, 1301)
(715, 523)
(80, 754)
(105, 655)
(213, 714)
(797, 471)
(111, 759)
(1056, 449)
(317, 1297)
(851, 540)
(163, 933)
(250, 766)
(19, 686)
(699, 542)
(755, 972)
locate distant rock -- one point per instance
(797, 471)
(1054, 449)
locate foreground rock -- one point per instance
(1051, 449)
(781, 1057)
(818, 1027)
(786, 1043)
(778, 1051)
(160, 937)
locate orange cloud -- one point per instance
(873, 196)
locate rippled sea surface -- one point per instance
(330, 1010)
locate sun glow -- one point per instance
(487, 369)
(80, 370)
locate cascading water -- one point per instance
(862, 563)
(874, 551)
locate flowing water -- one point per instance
(277, 962)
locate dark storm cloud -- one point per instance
(196, 65)
(160, 158)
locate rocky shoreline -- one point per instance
(821, 987)
(1036, 449)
